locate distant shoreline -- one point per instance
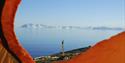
(42, 26)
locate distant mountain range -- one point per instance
(42, 26)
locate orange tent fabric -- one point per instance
(107, 51)
(7, 35)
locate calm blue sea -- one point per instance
(40, 42)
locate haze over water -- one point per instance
(40, 42)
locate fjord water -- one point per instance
(39, 42)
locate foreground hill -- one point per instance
(111, 50)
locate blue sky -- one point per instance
(72, 12)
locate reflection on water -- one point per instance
(48, 41)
